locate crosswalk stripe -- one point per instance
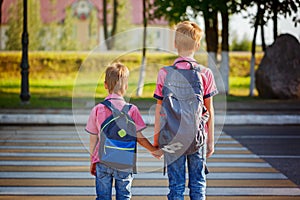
(144, 155)
(91, 197)
(86, 190)
(70, 175)
(53, 163)
(142, 164)
(145, 183)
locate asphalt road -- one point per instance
(277, 145)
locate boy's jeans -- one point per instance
(197, 177)
(104, 180)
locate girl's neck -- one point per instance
(186, 54)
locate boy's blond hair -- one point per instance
(188, 35)
(116, 78)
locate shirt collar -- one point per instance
(114, 96)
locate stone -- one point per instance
(278, 75)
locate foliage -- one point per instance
(15, 26)
(55, 64)
(240, 45)
(67, 41)
(52, 75)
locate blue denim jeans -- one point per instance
(104, 180)
(197, 177)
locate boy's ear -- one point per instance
(105, 85)
(197, 46)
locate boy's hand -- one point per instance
(210, 150)
(93, 169)
(158, 153)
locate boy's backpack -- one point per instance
(183, 113)
(118, 139)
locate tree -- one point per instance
(1, 2)
(67, 41)
(174, 11)
(267, 9)
(15, 21)
(139, 91)
(35, 25)
(15, 24)
(93, 29)
(275, 8)
(108, 35)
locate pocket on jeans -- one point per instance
(101, 171)
(125, 175)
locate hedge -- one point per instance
(52, 64)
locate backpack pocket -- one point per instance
(121, 153)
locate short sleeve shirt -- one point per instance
(100, 112)
(209, 85)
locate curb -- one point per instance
(81, 119)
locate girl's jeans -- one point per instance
(104, 180)
(197, 177)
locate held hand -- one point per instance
(93, 169)
(158, 153)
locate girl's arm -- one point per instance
(208, 102)
(145, 143)
(93, 143)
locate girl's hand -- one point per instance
(93, 169)
(158, 153)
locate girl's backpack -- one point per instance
(118, 139)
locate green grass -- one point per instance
(56, 85)
(59, 93)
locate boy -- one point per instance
(116, 82)
(187, 42)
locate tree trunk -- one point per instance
(104, 5)
(224, 68)
(115, 22)
(1, 1)
(108, 36)
(253, 50)
(275, 19)
(211, 37)
(263, 42)
(139, 91)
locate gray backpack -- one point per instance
(183, 113)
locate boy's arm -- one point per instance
(145, 143)
(208, 102)
(157, 122)
(93, 142)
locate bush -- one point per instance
(54, 65)
(240, 45)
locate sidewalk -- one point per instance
(268, 112)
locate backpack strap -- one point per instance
(186, 61)
(126, 108)
(112, 108)
(109, 105)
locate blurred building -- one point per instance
(87, 21)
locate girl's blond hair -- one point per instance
(116, 78)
